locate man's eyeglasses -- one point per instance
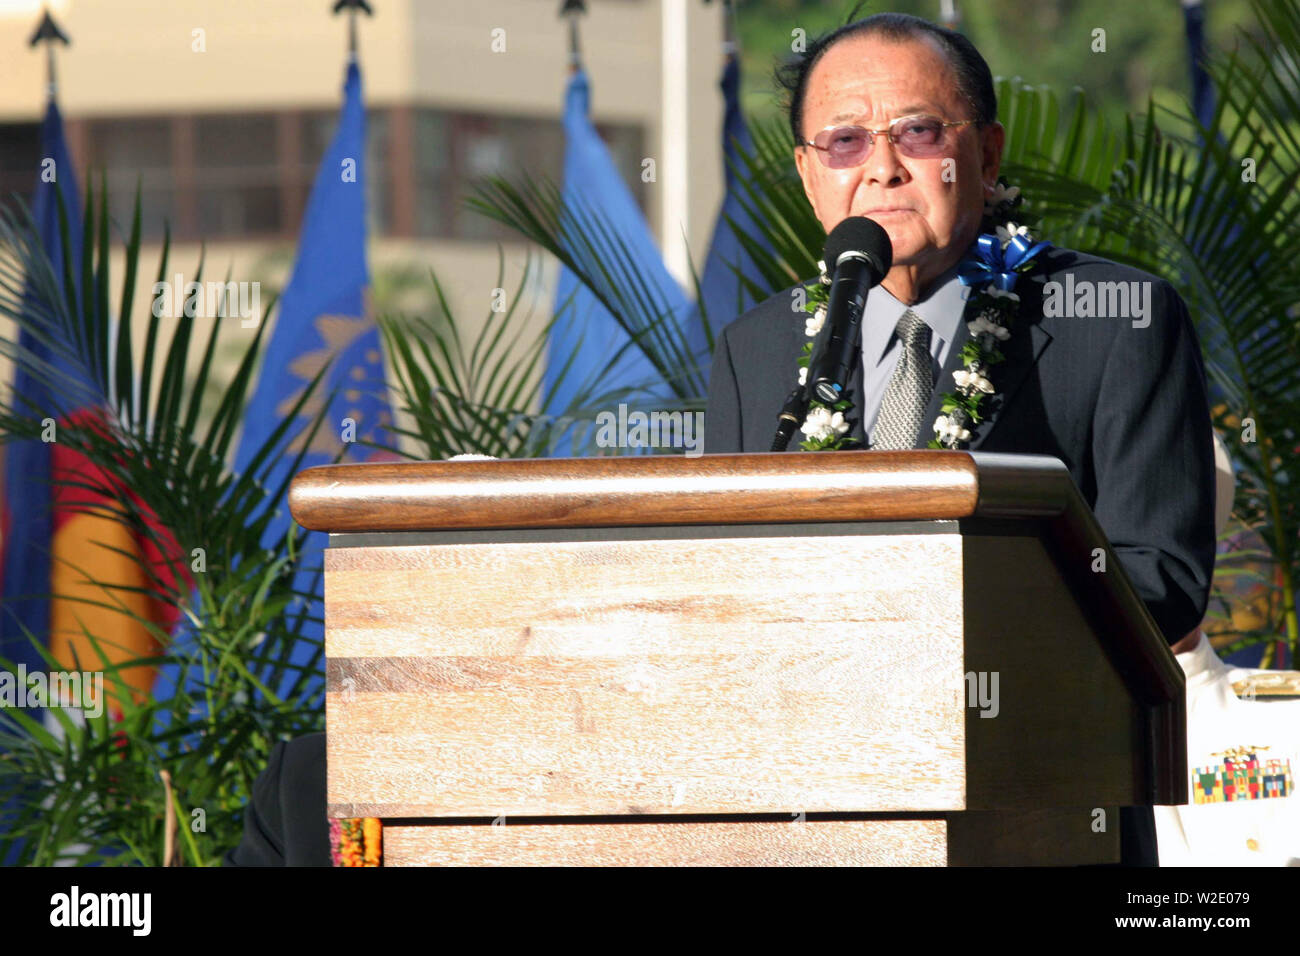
(919, 137)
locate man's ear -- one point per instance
(992, 139)
(803, 165)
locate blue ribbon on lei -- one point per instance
(992, 263)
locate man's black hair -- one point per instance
(974, 80)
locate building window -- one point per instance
(434, 174)
(20, 161)
(456, 151)
(228, 176)
(133, 153)
(237, 177)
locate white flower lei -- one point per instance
(994, 309)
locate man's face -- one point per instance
(931, 206)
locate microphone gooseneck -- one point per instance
(792, 414)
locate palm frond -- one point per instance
(486, 397)
(1224, 233)
(587, 245)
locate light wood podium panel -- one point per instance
(635, 662)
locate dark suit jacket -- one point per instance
(285, 822)
(1125, 408)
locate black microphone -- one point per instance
(859, 255)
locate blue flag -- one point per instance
(28, 512)
(324, 317)
(323, 310)
(586, 337)
(722, 292)
(28, 506)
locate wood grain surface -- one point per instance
(647, 677)
(749, 489)
(1038, 838)
(713, 489)
(664, 843)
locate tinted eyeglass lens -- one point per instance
(847, 146)
(918, 137)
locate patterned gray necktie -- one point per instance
(908, 394)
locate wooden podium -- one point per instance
(879, 658)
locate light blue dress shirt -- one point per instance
(941, 310)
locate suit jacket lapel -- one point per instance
(1021, 352)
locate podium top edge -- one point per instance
(677, 490)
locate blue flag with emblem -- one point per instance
(324, 318)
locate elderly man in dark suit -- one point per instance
(1121, 399)
(895, 119)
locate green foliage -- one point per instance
(1040, 40)
(93, 791)
(1219, 217)
(585, 244)
(484, 398)
(771, 193)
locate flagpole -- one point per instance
(570, 10)
(730, 47)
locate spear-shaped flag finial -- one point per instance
(353, 7)
(48, 32)
(571, 10)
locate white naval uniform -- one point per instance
(1261, 832)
